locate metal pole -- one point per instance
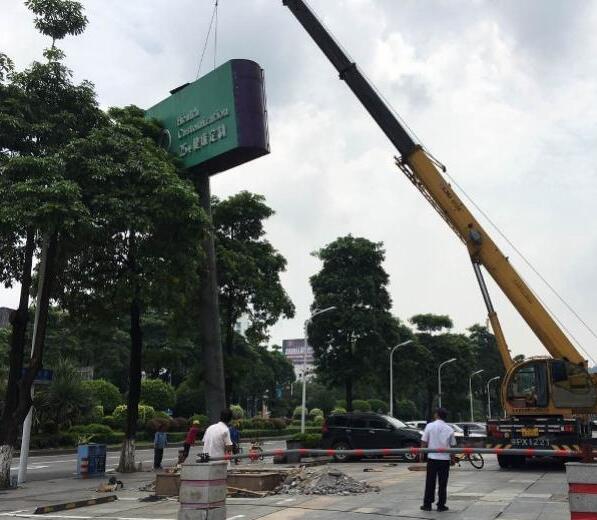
(24, 455)
(470, 392)
(392, 374)
(489, 395)
(304, 378)
(439, 381)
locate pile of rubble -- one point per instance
(322, 482)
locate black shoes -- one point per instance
(425, 508)
(443, 508)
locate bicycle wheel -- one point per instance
(476, 460)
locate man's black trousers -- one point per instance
(436, 470)
(158, 453)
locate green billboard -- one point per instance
(218, 121)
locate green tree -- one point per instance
(143, 249)
(104, 394)
(66, 400)
(41, 110)
(249, 270)
(351, 342)
(158, 394)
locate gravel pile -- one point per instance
(322, 482)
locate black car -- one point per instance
(346, 431)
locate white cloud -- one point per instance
(500, 92)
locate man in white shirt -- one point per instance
(216, 440)
(437, 435)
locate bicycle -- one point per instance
(476, 459)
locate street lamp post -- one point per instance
(470, 392)
(392, 374)
(439, 380)
(304, 375)
(489, 396)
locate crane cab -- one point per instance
(548, 387)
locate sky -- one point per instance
(503, 93)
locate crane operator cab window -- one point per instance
(528, 386)
(571, 386)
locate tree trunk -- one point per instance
(21, 386)
(127, 454)
(6, 451)
(349, 394)
(209, 315)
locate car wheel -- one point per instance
(505, 461)
(411, 457)
(339, 447)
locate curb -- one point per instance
(73, 505)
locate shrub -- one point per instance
(180, 424)
(99, 433)
(360, 405)
(237, 411)
(318, 420)
(113, 422)
(298, 412)
(162, 415)
(278, 424)
(314, 412)
(341, 403)
(153, 425)
(377, 405)
(406, 410)
(146, 412)
(308, 440)
(157, 394)
(203, 420)
(339, 410)
(260, 423)
(103, 393)
(188, 400)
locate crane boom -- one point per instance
(422, 171)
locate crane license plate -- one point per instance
(530, 432)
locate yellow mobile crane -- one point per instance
(548, 400)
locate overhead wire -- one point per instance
(211, 25)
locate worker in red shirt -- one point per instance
(190, 439)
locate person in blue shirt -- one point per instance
(235, 438)
(160, 441)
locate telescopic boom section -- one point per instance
(421, 170)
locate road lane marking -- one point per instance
(233, 517)
(73, 517)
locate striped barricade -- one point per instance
(582, 490)
(203, 491)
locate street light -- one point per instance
(439, 380)
(489, 396)
(304, 400)
(470, 392)
(392, 374)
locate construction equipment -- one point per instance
(547, 400)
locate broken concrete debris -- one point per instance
(322, 481)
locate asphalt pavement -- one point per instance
(49, 467)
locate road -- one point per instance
(48, 467)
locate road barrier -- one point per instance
(388, 452)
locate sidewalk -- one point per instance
(536, 493)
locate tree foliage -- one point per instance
(157, 394)
(352, 341)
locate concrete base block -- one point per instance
(579, 473)
(207, 471)
(202, 514)
(201, 494)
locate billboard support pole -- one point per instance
(209, 315)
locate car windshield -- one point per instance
(395, 422)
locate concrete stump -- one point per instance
(203, 491)
(582, 490)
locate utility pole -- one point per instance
(392, 374)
